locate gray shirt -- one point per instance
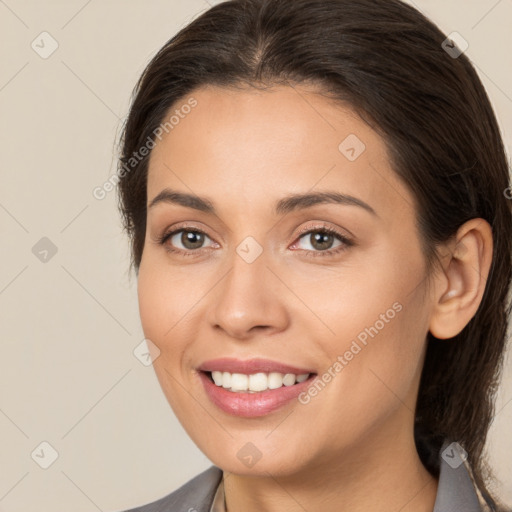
(456, 491)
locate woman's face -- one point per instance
(266, 281)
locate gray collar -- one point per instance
(456, 490)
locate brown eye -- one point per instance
(184, 241)
(322, 242)
(190, 239)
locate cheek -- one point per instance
(159, 305)
(169, 304)
(150, 306)
(379, 323)
(160, 310)
(373, 380)
(394, 355)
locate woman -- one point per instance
(315, 193)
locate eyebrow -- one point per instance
(283, 206)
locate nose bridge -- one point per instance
(246, 284)
(246, 296)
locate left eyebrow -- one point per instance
(286, 205)
(299, 201)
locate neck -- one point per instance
(374, 477)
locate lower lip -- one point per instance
(251, 405)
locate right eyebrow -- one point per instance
(188, 200)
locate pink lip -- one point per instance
(251, 405)
(232, 365)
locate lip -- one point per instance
(252, 405)
(232, 365)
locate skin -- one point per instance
(351, 447)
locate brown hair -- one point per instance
(387, 61)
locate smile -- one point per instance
(255, 382)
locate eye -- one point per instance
(321, 240)
(186, 241)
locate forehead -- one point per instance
(256, 146)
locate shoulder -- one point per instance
(196, 495)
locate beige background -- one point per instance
(69, 326)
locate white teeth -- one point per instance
(217, 378)
(289, 379)
(226, 380)
(240, 382)
(275, 380)
(303, 377)
(258, 382)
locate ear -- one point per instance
(459, 288)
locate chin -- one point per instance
(254, 458)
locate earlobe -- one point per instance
(460, 286)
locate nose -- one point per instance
(248, 300)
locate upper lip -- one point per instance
(250, 366)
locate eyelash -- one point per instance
(162, 239)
